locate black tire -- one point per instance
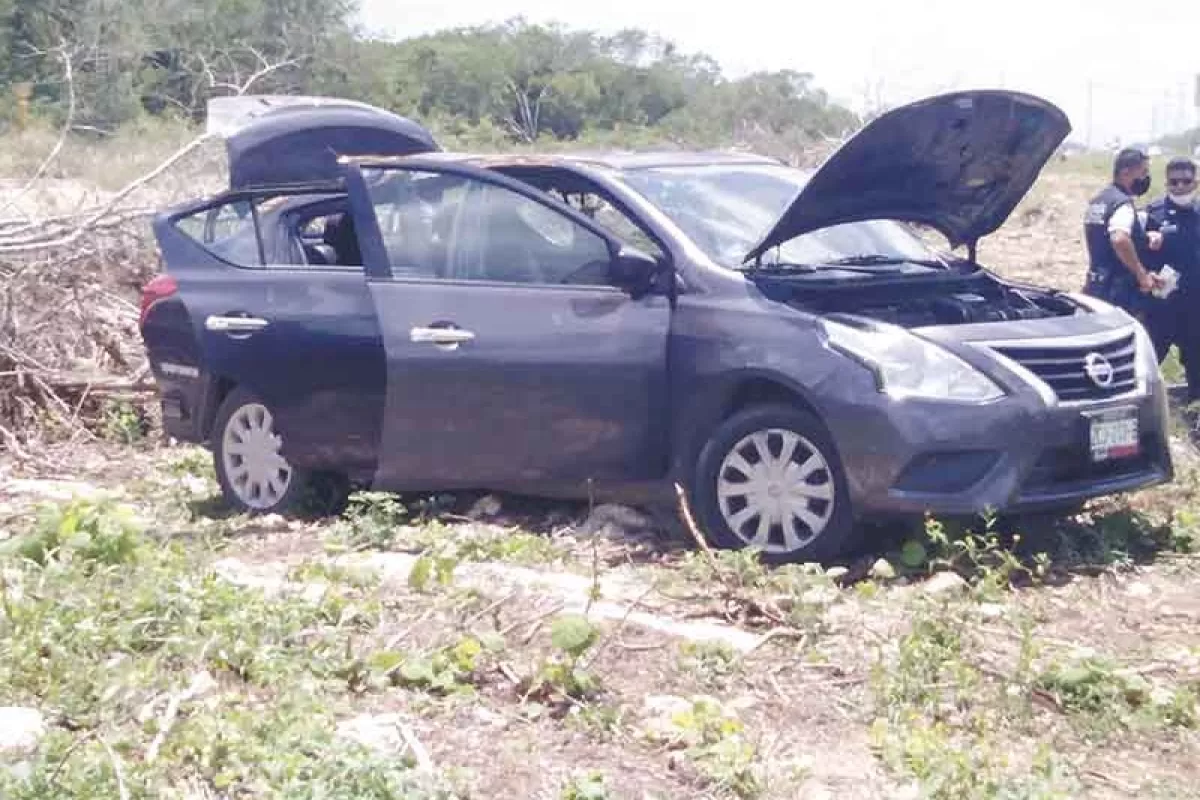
(839, 534)
(296, 491)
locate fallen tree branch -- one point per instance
(91, 220)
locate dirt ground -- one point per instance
(497, 647)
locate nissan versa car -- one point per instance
(782, 344)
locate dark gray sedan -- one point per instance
(781, 344)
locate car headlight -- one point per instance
(908, 366)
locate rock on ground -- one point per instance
(21, 730)
(945, 583)
(617, 520)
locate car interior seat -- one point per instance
(342, 240)
(321, 254)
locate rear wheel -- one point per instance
(770, 477)
(253, 474)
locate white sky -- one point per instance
(1142, 62)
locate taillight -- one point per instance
(159, 287)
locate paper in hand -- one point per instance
(1170, 282)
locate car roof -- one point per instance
(614, 159)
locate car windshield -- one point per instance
(726, 209)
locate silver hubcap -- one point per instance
(257, 473)
(775, 491)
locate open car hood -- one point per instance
(273, 140)
(957, 162)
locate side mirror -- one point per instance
(634, 270)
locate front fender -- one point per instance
(733, 358)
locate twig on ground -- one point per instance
(777, 633)
(195, 688)
(624, 621)
(164, 726)
(733, 593)
(558, 607)
(694, 531)
(491, 607)
(398, 637)
(533, 631)
(640, 648)
(779, 691)
(1124, 788)
(122, 789)
(509, 673)
(75, 745)
(424, 762)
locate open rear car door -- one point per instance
(253, 308)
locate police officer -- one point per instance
(1175, 219)
(1116, 239)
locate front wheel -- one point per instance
(253, 475)
(770, 478)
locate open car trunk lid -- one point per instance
(274, 140)
(958, 162)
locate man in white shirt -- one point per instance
(1116, 237)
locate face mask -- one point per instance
(1184, 199)
(1141, 185)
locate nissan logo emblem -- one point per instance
(1099, 369)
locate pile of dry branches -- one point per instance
(69, 306)
(73, 259)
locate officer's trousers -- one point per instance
(1175, 320)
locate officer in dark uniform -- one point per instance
(1116, 240)
(1175, 219)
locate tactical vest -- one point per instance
(1180, 227)
(1108, 278)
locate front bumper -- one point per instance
(1022, 453)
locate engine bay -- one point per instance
(910, 303)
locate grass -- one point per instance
(979, 693)
(102, 627)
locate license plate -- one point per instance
(1114, 434)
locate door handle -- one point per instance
(234, 324)
(444, 336)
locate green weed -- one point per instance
(590, 785)
(560, 675)
(714, 741)
(100, 628)
(123, 422)
(948, 724)
(95, 533)
(713, 663)
(1109, 698)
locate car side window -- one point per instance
(609, 217)
(227, 230)
(510, 238)
(452, 227)
(415, 211)
(323, 239)
(296, 231)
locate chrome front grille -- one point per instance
(1076, 372)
